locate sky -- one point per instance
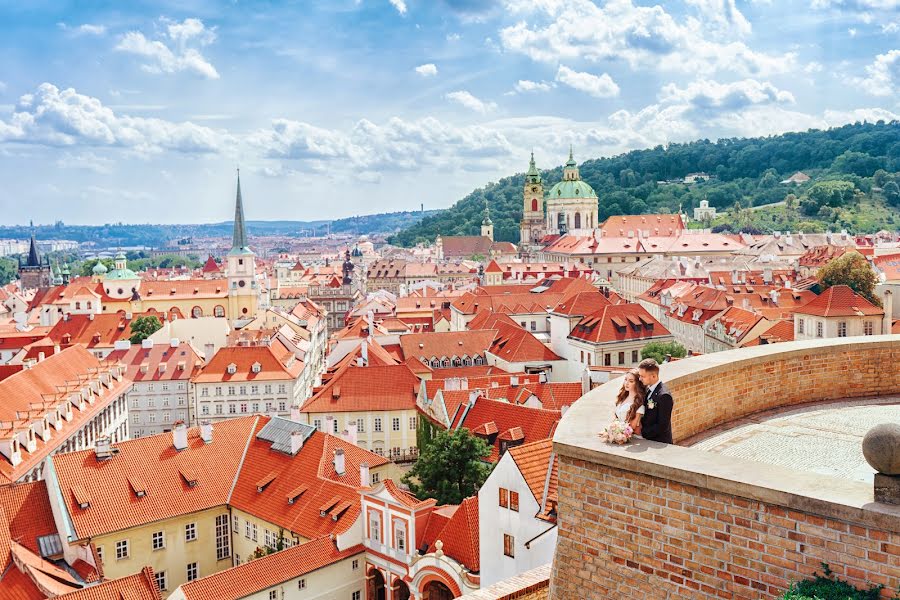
(141, 112)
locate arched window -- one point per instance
(577, 220)
(534, 204)
(196, 312)
(219, 310)
(456, 361)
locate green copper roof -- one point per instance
(533, 175)
(571, 162)
(239, 238)
(122, 274)
(99, 268)
(572, 189)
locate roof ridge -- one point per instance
(240, 466)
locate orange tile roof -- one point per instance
(437, 520)
(272, 366)
(620, 225)
(460, 535)
(140, 586)
(736, 322)
(780, 331)
(889, 265)
(279, 567)
(27, 507)
(552, 395)
(533, 461)
(352, 389)
(514, 344)
(312, 467)
(114, 505)
(521, 299)
(446, 344)
(183, 289)
(472, 371)
(536, 423)
(16, 585)
(582, 303)
(103, 330)
(616, 323)
(162, 362)
(405, 497)
(839, 301)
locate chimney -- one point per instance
(514, 381)
(40, 356)
(563, 409)
(773, 296)
(329, 424)
(767, 275)
(295, 413)
(147, 343)
(351, 433)
(173, 343)
(65, 316)
(364, 474)
(91, 317)
(179, 436)
(206, 431)
(128, 315)
(364, 352)
(102, 448)
(122, 345)
(745, 303)
(339, 461)
(296, 442)
(888, 311)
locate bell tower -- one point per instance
(531, 229)
(487, 226)
(240, 269)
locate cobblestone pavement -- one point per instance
(819, 440)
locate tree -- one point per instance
(853, 270)
(891, 193)
(8, 270)
(659, 351)
(450, 468)
(144, 327)
(87, 267)
(790, 203)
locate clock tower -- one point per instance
(532, 228)
(240, 269)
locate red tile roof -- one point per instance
(617, 323)
(272, 366)
(736, 322)
(140, 586)
(352, 389)
(114, 505)
(162, 362)
(840, 301)
(16, 585)
(582, 303)
(536, 423)
(780, 331)
(514, 344)
(102, 330)
(533, 461)
(460, 535)
(27, 508)
(551, 395)
(659, 225)
(446, 344)
(521, 299)
(274, 569)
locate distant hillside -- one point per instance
(746, 172)
(121, 234)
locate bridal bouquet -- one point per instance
(617, 432)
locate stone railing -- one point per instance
(650, 520)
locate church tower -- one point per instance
(35, 274)
(487, 226)
(240, 269)
(531, 229)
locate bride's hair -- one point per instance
(640, 392)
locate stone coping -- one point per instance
(517, 586)
(577, 437)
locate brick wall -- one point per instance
(626, 535)
(652, 521)
(530, 585)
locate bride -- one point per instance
(630, 401)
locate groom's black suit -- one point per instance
(657, 422)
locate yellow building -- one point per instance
(181, 502)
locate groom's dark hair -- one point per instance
(650, 365)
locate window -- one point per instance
(254, 389)
(268, 388)
(243, 390)
(247, 530)
(121, 549)
(301, 584)
(395, 424)
(254, 407)
(151, 418)
(504, 498)
(166, 417)
(161, 580)
(400, 536)
(204, 392)
(273, 594)
(223, 540)
(204, 408)
(159, 540)
(232, 409)
(377, 423)
(376, 477)
(192, 571)
(355, 595)
(514, 501)
(190, 532)
(607, 360)
(317, 423)
(237, 524)
(412, 422)
(868, 328)
(360, 425)
(800, 325)
(335, 425)
(634, 356)
(375, 526)
(282, 406)
(534, 325)
(218, 390)
(267, 536)
(355, 564)
(842, 329)
(231, 390)
(254, 532)
(282, 388)
(819, 329)
(135, 403)
(509, 545)
(621, 358)
(243, 407)
(136, 419)
(218, 409)
(151, 403)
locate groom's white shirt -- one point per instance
(652, 388)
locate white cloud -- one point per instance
(87, 161)
(427, 70)
(524, 86)
(858, 5)
(397, 145)
(54, 117)
(177, 53)
(852, 31)
(84, 29)
(400, 5)
(722, 16)
(642, 36)
(601, 86)
(464, 98)
(883, 75)
(705, 94)
(453, 37)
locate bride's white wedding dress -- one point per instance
(622, 410)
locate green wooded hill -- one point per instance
(854, 186)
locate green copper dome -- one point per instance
(122, 274)
(99, 268)
(572, 189)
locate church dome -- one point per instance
(99, 268)
(571, 190)
(122, 274)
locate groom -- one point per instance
(657, 422)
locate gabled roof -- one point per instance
(840, 301)
(533, 462)
(140, 586)
(102, 330)
(211, 266)
(113, 503)
(551, 395)
(446, 344)
(262, 573)
(460, 536)
(780, 331)
(736, 322)
(581, 304)
(514, 344)
(536, 423)
(617, 323)
(162, 362)
(352, 389)
(661, 225)
(27, 509)
(272, 366)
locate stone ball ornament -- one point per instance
(881, 447)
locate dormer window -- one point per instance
(256, 368)
(232, 369)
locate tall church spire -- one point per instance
(239, 238)
(34, 259)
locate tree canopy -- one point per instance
(659, 351)
(450, 468)
(853, 270)
(9, 270)
(144, 327)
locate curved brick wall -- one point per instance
(649, 520)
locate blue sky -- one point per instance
(140, 112)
